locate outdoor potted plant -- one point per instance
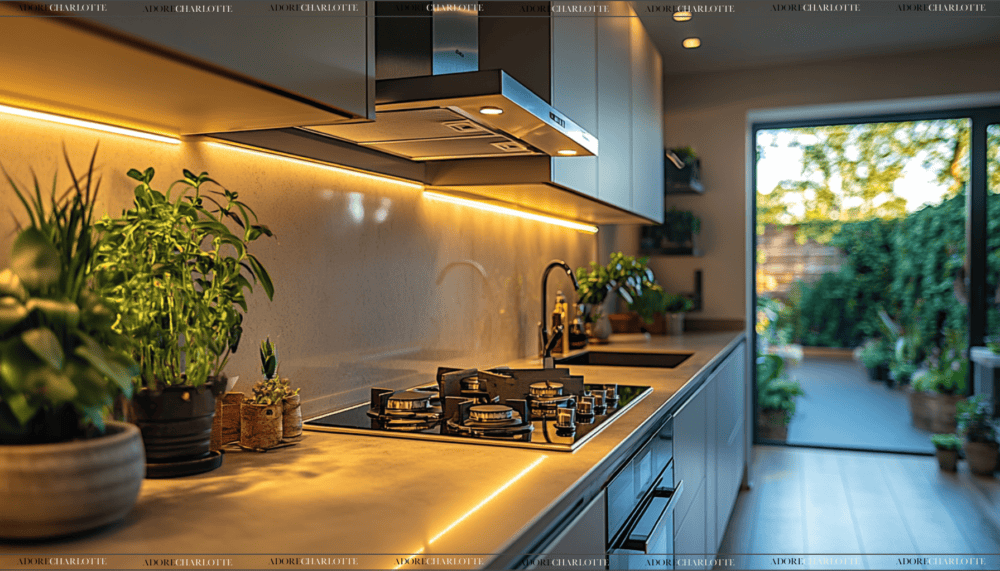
(775, 398)
(946, 447)
(875, 355)
(624, 275)
(980, 430)
(921, 399)
(677, 235)
(946, 380)
(179, 275)
(64, 468)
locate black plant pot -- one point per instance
(176, 426)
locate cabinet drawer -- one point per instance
(629, 486)
(690, 446)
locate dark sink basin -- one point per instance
(621, 359)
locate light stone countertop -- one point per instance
(370, 499)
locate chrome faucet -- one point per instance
(545, 342)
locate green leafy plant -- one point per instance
(680, 225)
(875, 353)
(178, 274)
(268, 359)
(946, 441)
(948, 366)
(975, 421)
(625, 275)
(61, 364)
(675, 303)
(775, 392)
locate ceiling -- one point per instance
(757, 36)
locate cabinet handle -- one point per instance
(673, 495)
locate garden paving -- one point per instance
(842, 408)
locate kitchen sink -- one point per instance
(625, 359)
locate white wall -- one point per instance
(709, 112)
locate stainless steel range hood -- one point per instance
(457, 111)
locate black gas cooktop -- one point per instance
(531, 408)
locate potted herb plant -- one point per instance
(946, 447)
(675, 306)
(64, 467)
(178, 266)
(775, 398)
(624, 275)
(980, 430)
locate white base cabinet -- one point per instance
(709, 455)
(582, 539)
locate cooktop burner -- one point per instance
(535, 408)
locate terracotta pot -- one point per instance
(772, 424)
(226, 424)
(291, 416)
(920, 409)
(947, 459)
(943, 412)
(176, 423)
(260, 425)
(51, 490)
(982, 457)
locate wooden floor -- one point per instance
(828, 509)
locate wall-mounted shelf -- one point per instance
(686, 180)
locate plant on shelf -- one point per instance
(682, 171)
(947, 447)
(178, 266)
(686, 155)
(61, 366)
(776, 395)
(976, 423)
(623, 274)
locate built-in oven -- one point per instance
(641, 499)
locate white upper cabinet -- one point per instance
(574, 92)
(614, 107)
(647, 125)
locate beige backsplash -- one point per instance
(375, 283)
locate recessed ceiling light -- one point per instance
(682, 16)
(567, 152)
(691, 43)
(488, 110)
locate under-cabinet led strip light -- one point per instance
(314, 163)
(588, 228)
(62, 119)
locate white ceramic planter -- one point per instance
(51, 490)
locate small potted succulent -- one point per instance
(776, 395)
(946, 447)
(291, 404)
(178, 266)
(64, 466)
(261, 421)
(980, 430)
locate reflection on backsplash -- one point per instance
(374, 284)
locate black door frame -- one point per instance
(976, 224)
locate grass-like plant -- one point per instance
(61, 362)
(178, 266)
